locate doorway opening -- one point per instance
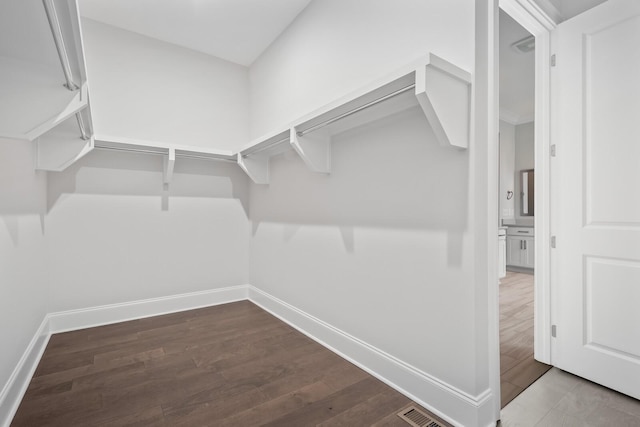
(517, 209)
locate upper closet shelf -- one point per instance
(254, 159)
(442, 90)
(169, 151)
(45, 97)
(63, 145)
(153, 147)
(43, 71)
(33, 99)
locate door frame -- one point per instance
(528, 14)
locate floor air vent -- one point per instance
(417, 418)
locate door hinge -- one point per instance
(553, 150)
(553, 331)
(553, 241)
(553, 60)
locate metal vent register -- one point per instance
(417, 418)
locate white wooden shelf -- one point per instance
(34, 98)
(442, 90)
(170, 151)
(63, 145)
(154, 147)
(45, 97)
(254, 159)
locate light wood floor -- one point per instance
(229, 365)
(518, 368)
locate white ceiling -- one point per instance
(517, 82)
(240, 30)
(234, 30)
(567, 9)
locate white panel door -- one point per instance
(596, 127)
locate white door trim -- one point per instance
(528, 14)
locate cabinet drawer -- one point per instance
(520, 231)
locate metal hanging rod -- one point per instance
(128, 149)
(159, 153)
(265, 147)
(81, 125)
(355, 110)
(54, 23)
(56, 31)
(196, 156)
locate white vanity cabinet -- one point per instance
(520, 247)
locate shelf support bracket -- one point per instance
(61, 146)
(314, 148)
(256, 167)
(444, 92)
(169, 163)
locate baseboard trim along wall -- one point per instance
(113, 313)
(72, 320)
(454, 405)
(16, 386)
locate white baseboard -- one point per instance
(113, 313)
(444, 400)
(14, 389)
(72, 320)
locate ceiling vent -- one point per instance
(416, 418)
(525, 45)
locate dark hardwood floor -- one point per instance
(228, 365)
(518, 368)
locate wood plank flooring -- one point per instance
(228, 365)
(518, 368)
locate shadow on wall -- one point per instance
(120, 173)
(391, 173)
(22, 189)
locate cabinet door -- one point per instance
(529, 252)
(502, 257)
(514, 251)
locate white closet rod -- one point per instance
(83, 128)
(160, 153)
(54, 23)
(329, 121)
(355, 110)
(195, 156)
(56, 31)
(265, 147)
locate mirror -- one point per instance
(526, 179)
